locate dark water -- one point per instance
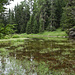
(37, 57)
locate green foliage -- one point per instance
(35, 27)
(15, 36)
(4, 27)
(2, 2)
(37, 16)
(54, 35)
(29, 26)
(5, 30)
(11, 17)
(9, 29)
(2, 49)
(59, 10)
(1, 27)
(51, 28)
(41, 28)
(1, 30)
(69, 20)
(1, 35)
(22, 16)
(43, 69)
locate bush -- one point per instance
(1, 35)
(15, 36)
(51, 29)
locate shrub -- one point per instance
(15, 36)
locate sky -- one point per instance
(13, 3)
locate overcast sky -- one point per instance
(13, 3)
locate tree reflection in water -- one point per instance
(39, 57)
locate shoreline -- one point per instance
(33, 36)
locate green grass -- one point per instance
(55, 33)
(45, 35)
(2, 49)
(15, 36)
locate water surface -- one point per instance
(37, 57)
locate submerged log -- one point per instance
(72, 33)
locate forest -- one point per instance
(37, 16)
(37, 37)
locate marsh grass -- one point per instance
(2, 49)
(51, 57)
(20, 48)
(15, 36)
(55, 35)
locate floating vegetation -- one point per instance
(37, 57)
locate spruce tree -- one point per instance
(35, 22)
(22, 16)
(41, 28)
(59, 4)
(11, 17)
(52, 19)
(29, 28)
(68, 16)
(42, 14)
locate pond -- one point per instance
(37, 57)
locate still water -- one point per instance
(37, 57)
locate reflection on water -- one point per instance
(11, 66)
(38, 57)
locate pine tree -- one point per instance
(41, 28)
(59, 4)
(2, 24)
(11, 17)
(42, 14)
(35, 17)
(29, 28)
(35, 27)
(22, 15)
(52, 19)
(68, 16)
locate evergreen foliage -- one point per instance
(29, 28)
(4, 27)
(37, 16)
(68, 16)
(22, 16)
(41, 28)
(35, 27)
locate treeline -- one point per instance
(37, 16)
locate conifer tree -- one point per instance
(35, 17)
(68, 16)
(59, 4)
(29, 28)
(2, 18)
(35, 27)
(42, 14)
(22, 15)
(11, 17)
(52, 19)
(41, 28)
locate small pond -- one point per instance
(37, 57)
